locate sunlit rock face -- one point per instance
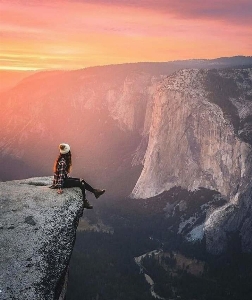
(37, 234)
(191, 143)
(104, 113)
(131, 103)
(200, 136)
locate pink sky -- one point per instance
(64, 34)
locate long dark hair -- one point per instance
(68, 159)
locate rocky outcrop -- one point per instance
(37, 234)
(200, 137)
(231, 225)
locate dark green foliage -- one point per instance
(103, 266)
(226, 278)
(109, 275)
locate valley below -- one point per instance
(142, 258)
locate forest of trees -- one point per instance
(103, 266)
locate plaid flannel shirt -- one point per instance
(60, 174)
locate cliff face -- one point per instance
(191, 142)
(106, 108)
(37, 233)
(199, 137)
(132, 123)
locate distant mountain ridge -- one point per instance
(10, 78)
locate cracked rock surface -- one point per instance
(37, 234)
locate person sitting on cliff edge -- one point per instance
(62, 168)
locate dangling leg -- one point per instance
(78, 182)
(96, 192)
(88, 187)
(83, 189)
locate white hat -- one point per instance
(64, 148)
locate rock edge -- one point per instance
(37, 234)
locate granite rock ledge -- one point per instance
(37, 235)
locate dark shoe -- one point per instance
(87, 205)
(53, 187)
(98, 193)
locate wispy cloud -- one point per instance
(82, 33)
(228, 10)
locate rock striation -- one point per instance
(200, 137)
(37, 234)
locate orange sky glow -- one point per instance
(64, 34)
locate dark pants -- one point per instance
(78, 182)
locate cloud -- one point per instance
(227, 10)
(239, 12)
(77, 33)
